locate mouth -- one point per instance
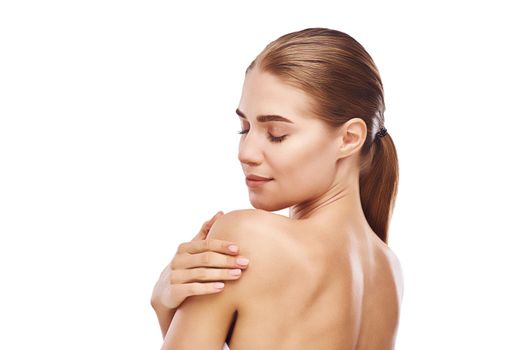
(253, 177)
(257, 181)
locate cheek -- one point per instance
(306, 167)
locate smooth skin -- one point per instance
(318, 279)
(194, 269)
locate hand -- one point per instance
(194, 263)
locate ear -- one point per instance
(352, 135)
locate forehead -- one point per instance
(264, 93)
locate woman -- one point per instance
(313, 140)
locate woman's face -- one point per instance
(298, 155)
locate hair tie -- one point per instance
(382, 132)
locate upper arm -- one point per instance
(202, 321)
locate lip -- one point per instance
(256, 181)
(254, 177)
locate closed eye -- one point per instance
(270, 137)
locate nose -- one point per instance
(249, 152)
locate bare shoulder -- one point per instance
(263, 238)
(251, 214)
(247, 225)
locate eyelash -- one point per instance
(270, 137)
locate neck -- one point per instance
(340, 205)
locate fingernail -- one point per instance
(219, 285)
(235, 272)
(233, 248)
(243, 261)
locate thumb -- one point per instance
(206, 226)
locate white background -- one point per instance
(118, 139)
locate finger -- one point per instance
(202, 274)
(205, 259)
(214, 218)
(206, 226)
(197, 288)
(216, 245)
(202, 233)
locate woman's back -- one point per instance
(310, 289)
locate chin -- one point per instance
(267, 205)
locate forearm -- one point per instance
(165, 316)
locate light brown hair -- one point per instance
(344, 83)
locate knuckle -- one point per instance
(213, 244)
(225, 245)
(174, 263)
(174, 277)
(180, 248)
(196, 288)
(176, 260)
(191, 288)
(231, 262)
(199, 274)
(205, 258)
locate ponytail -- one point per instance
(379, 185)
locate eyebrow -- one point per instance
(266, 118)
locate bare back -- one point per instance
(308, 290)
